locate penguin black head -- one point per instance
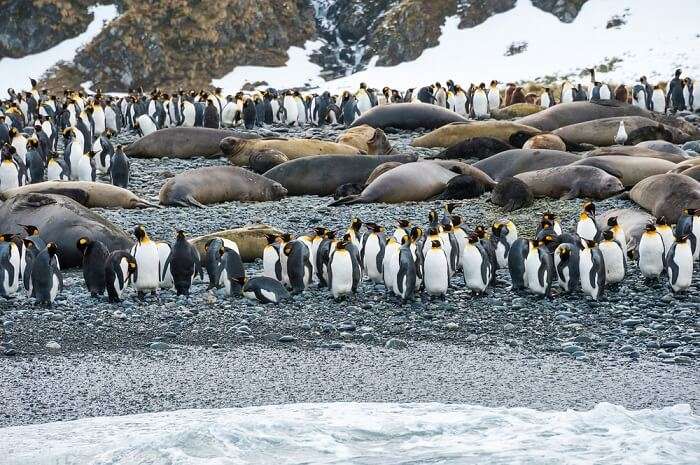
(52, 248)
(363, 85)
(82, 244)
(320, 231)
(450, 206)
(608, 235)
(456, 220)
(612, 221)
(6, 237)
(90, 154)
(433, 232)
(589, 207)
(661, 221)
(404, 223)
(435, 244)
(482, 86)
(416, 233)
(494, 82)
(356, 224)
(480, 231)
(650, 227)
(678, 72)
(286, 237)
(473, 238)
(140, 233)
(589, 243)
(496, 228)
(563, 252)
(329, 235)
(341, 244)
(548, 239)
(432, 217)
(181, 234)
(30, 229)
(374, 227)
(690, 211)
(13, 132)
(447, 227)
(405, 240)
(287, 248)
(132, 266)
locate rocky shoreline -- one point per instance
(642, 334)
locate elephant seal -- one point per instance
(685, 165)
(545, 141)
(182, 143)
(630, 170)
(602, 132)
(250, 239)
(566, 114)
(216, 184)
(632, 222)
(323, 174)
(516, 110)
(476, 147)
(512, 194)
(634, 151)
(88, 194)
(409, 116)
(571, 181)
(512, 162)
(693, 172)
(662, 146)
(463, 186)
(464, 168)
(411, 182)
(381, 169)
(367, 139)
(453, 133)
(239, 150)
(667, 195)
(265, 160)
(61, 220)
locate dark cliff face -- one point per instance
(188, 42)
(31, 27)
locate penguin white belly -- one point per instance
(605, 92)
(76, 153)
(620, 237)
(391, 267)
(269, 295)
(228, 115)
(651, 255)
(9, 176)
(270, 259)
(471, 266)
(101, 168)
(532, 271)
(435, 272)
(565, 276)
(667, 236)
(55, 285)
(447, 247)
(370, 259)
(46, 127)
(341, 271)
(399, 234)
(166, 279)
(461, 104)
(584, 269)
(283, 262)
(301, 112)
(544, 100)
(124, 266)
(146, 124)
(501, 255)
(98, 119)
(451, 102)
(84, 169)
(292, 110)
(274, 104)
(614, 262)
(147, 265)
(54, 171)
(696, 97)
(224, 282)
(567, 95)
(480, 105)
(110, 119)
(363, 103)
(641, 100)
(250, 295)
(586, 229)
(696, 232)
(188, 115)
(494, 100)
(683, 259)
(658, 99)
(462, 240)
(12, 280)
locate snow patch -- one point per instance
(15, 72)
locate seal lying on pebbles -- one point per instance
(463, 186)
(367, 139)
(239, 150)
(408, 116)
(413, 182)
(512, 162)
(602, 132)
(566, 114)
(545, 141)
(216, 184)
(475, 147)
(630, 170)
(323, 174)
(516, 110)
(512, 194)
(61, 220)
(250, 239)
(454, 133)
(667, 195)
(381, 169)
(635, 152)
(685, 165)
(570, 182)
(265, 160)
(88, 194)
(182, 142)
(662, 146)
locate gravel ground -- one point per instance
(67, 387)
(639, 329)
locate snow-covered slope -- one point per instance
(15, 72)
(656, 38)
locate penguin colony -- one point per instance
(411, 261)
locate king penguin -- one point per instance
(679, 264)
(476, 265)
(185, 264)
(652, 252)
(344, 271)
(148, 265)
(591, 268)
(613, 257)
(539, 268)
(47, 280)
(566, 261)
(436, 270)
(119, 270)
(586, 227)
(372, 254)
(95, 256)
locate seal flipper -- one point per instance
(349, 200)
(572, 194)
(192, 202)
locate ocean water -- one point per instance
(359, 433)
